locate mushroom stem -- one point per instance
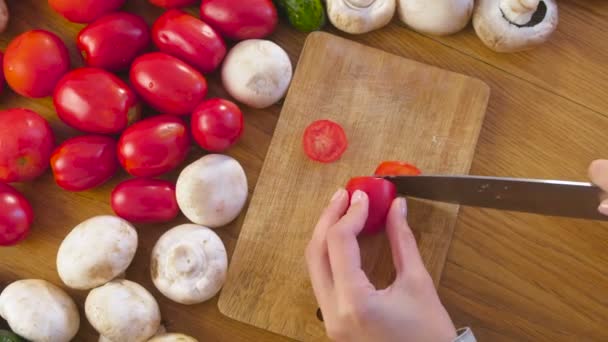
(519, 12)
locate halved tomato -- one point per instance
(396, 168)
(324, 141)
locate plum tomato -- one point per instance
(34, 62)
(396, 168)
(240, 20)
(113, 41)
(154, 146)
(85, 11)
(173, 3)
(84, 162)
(324, 141)
(143, 200)
(188, 38)
(381, 194)
(16, 216)
(26, 144)
(217, 124)
(168, 84)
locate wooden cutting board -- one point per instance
(391, 109)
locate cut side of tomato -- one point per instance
(396, 168)
(324, 141)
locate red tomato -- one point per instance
(324, 141)
(239, 20)
(113, 41)
(188, 38)
(34, 62)
(154, 146)
(144, 200)
(16, 216)
(26, 144)
(95, 101)
(1, 73)
(173, 3)
(217, 124)
(168, 84)
(85, 11)
(396, 168)
(84, 162)
(381, 194)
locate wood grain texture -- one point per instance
(392, 109)
(512, 277)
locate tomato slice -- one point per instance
(324, 141)
(396, 168)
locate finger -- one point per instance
(598, 172)
(603, 208)
(343, 247)
(331, 215)
(406, 256)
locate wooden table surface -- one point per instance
(511, 277)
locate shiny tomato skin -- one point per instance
(173, 3)
(217, 124)
(396, 168)
(168, 84)
(143, 200)
(154, 146)
(381, 194)
(26, 144)
(85, 11)
(240, 20)
(34, 62)
(95, 101)
(189, 39)
(16, 216)
(113, 41)
(84, 162)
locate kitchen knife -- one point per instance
(545, 197)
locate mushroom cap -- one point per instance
(189, 264)
(96, 251)
(257, 72)
(360, 16)
(500, 35)
(122, 310)
(436, 17)
(173, 338)
(212, 191)
(39, 311)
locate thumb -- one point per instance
(404, 248)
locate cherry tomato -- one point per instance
(154, 146)
(84, 162)
(239, 20)
(217, 124)
(26, 144)
(16, 216)
(188, 38)
(396, 168)
(144, 200)
(168, 84)
(113, 41)
(173, 3)
(95, 101)
(85, 11)
(381, 194)
(324, 141)
(34, 62)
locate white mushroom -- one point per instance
(436, 17)
(161, 331)
(360, 16)
(173, 338)
(96, 251)
(257, 73)
(212, 191)
(39, 311)
(514, 25)
(189, 264)
(122, 310)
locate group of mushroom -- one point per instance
(502, 25)
(188, 265)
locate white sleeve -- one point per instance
(465, 335)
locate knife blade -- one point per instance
(538, 196)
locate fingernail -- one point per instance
(357, 197)
(337, 195)
(403, 206)
(603, 208)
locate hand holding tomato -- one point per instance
(16, 216)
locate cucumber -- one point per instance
(7, 336)
(304, 15)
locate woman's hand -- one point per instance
(353, 310)
(598, 172)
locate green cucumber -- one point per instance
(304, 15)
(7, 336)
